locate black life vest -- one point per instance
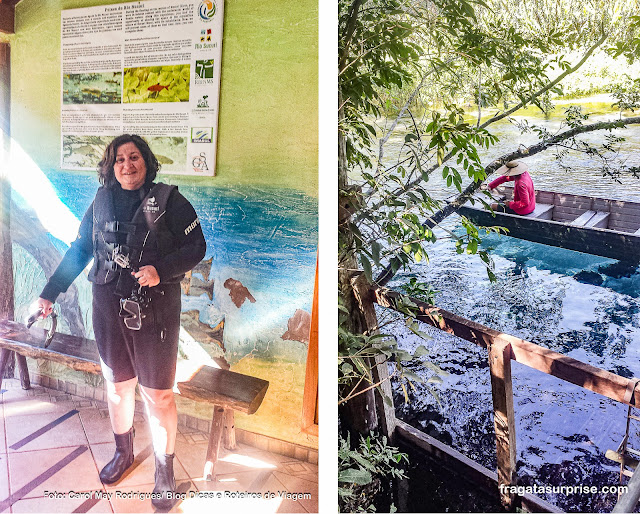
(147, 235)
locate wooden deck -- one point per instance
(502, 349)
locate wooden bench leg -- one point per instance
(25, 381)
(4, 359)
(217, 427)
(229, 439)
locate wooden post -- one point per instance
(504, 418)
(379, 367)
(6, 252)
(217, 427)
(6, 257)
(229, 433)
(310, 398)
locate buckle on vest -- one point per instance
(110, 266)
(120, 259)
(118, 226)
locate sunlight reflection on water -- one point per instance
(562, 430)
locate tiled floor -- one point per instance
(52, 446)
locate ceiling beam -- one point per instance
(7, 17)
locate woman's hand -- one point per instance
(44, 305)
(147, 276)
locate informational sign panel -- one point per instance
(150, 68)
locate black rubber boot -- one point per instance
(165, 482)
(122, 459)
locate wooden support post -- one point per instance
(6, 248)
(5, 355)
(229, 434)
(379, 366)
(217, 427)
(25, 381)
(504, 418)
(310, 422)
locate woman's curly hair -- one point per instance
(107, 176)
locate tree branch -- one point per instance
(412, 184)
(350, 30)
(402, 111)
(453, 206)
(550, 85)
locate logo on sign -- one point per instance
(207, 10)
(205, 35)
(199, 163)
(201, 135)
(203, 103)
(204, 69)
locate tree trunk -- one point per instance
(359, 413)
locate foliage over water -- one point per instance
(584, 306)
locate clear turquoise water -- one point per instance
(540, 295)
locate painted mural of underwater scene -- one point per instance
(248, 302)
(92, 88)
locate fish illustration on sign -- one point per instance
(85, 150)
(163, 159)
(91, 91)
(157, 87)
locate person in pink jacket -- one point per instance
(524, 195)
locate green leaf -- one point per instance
(411, 375)
(375, 252)
(355, 476)
(366, 266)
(420, 351)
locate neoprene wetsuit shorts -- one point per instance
(150, 353)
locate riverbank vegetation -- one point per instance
(424, 66)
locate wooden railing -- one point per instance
(504, 348)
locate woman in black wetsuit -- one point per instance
(142, 237)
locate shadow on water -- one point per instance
(583, 306)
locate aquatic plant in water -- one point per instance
(157, 84)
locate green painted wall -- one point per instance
(268, 105)
(267, 136)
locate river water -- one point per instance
(545, 295)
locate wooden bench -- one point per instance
(581, 220)
(542, 212)
(597, 219)
(226, 390)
